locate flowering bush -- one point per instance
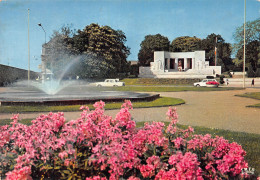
(212, 83)
(98, 147)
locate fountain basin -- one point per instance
(68, 96)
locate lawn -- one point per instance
(170, 88)
(160, 102)
(254, 95)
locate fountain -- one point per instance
(57, 91)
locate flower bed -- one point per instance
(96, 146)
(212, 84)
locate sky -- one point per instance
(136, 18)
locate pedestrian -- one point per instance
(227, 82)
(253, 82)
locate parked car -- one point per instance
(110, 82)
(203, 82)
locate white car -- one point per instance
(203, 82)
(110, 82)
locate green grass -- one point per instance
(249, 142)
(160, 102)
(170, 88)
(253, 95)
(255, 105)
(23, 121)
(149, 82)
(131, 81)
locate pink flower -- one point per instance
(85, 108)
(115, 147)
(127, 105)
(133, 178)
(185, 166)
(172, 115)
(99, 105)
(21, 174)
(178, 142)
(63, 154)
(96, 178)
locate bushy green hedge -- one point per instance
(164, 81)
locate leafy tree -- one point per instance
(94, 45)
(185, 44)
(89, 66)
(150, 44)
(252, 34)
(103, 41)
(252, 54)
(223, 50)
(252, 40)
(250, 71)
(209, 45)
(57, 51)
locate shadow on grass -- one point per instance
(253, 95)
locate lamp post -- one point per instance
(43, 63)
(244, 54)
(28, 47)
(43, 30)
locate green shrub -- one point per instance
(222, 79)
(257, 73)
(250, 72)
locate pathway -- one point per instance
(214, 109)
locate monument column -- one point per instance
(193, 63)
(185, 63)
(168, 64)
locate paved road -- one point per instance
(220, 109)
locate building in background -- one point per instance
(9, 75)
(46, 64)
(179, 65)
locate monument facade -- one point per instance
(179, 65)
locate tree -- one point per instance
(252, 40)
(97, 43)
(88, 66)
(252, 34)
(223, 50)
(185, 44)
(57, 52)
(150, 44)
(103, 41)
(252, 54)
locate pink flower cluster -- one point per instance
(21, 174)
(98, 147)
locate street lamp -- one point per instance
(43, 30)
(28, 47)
(244, 54)
(44, 65)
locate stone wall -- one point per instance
(9, 75)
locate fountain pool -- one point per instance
(70, 94)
